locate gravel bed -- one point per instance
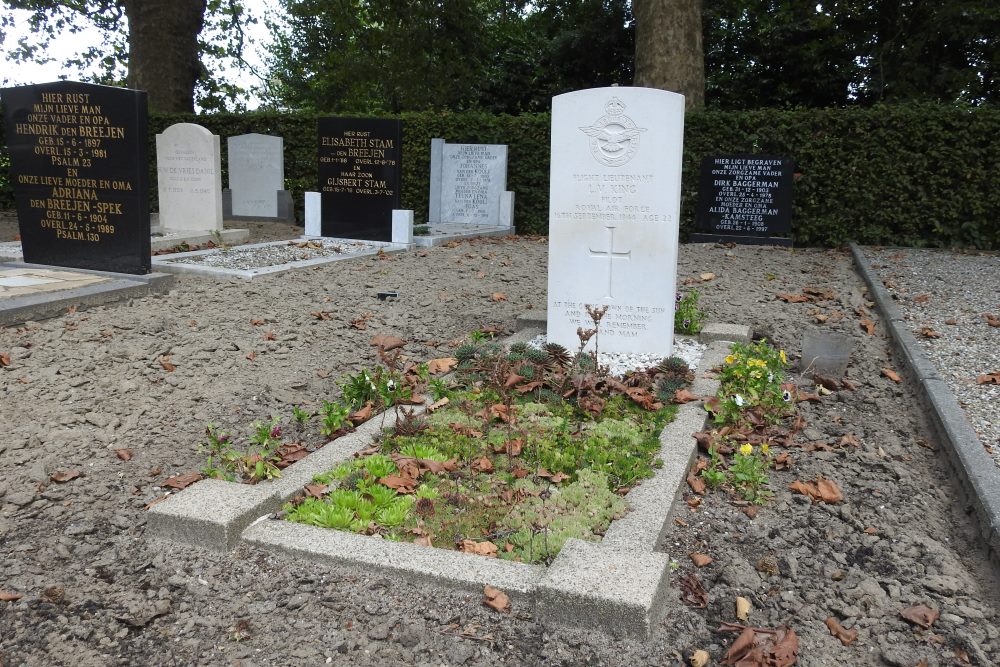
(245, 258)
(949, 294)
(618, 365)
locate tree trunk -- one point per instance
(668, 49)
(163, 51)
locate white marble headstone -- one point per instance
(189, 178)
(256, 174)
(468, 182)
(613, 216)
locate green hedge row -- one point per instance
(922, 175)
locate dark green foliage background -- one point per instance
(921, 175)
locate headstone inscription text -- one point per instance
(78, 157)
(613, 216)
(473, 178)
(359, 176)
(745, 194)
(189, 178)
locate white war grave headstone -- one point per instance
(189, 179)
(256, 178)
(614, 206)
(469, 185)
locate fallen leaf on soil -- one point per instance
(823, 490)
(927, 332)
(387, 342)
(700, 560)
(793, 298)
(400, 483)
(867, 325)
(182, 481)
(850, 439)
(846, 637)
(758, 647)
(483, 464)
(363, 414)
(921, 615)
(821, 318)
(699, 658)
(696, 483)
(520, 472)
(320, 314)
(252, 355)
(10, 596)
(783, 461)
(61, 477)
(992, 320)
(316, 491)
(871, 531)
(497, 297)
(256, 323)
(692, 592)
(820, 293)
(921, 298)
(124, 454)
(437, 405)
(827, 383)
(802, 397)
(424, 541)
(962, 656)
(684, 396)
(848, 384)
(442, 365)
(989, 378)
(4, 359)
(892, 375)
(707, 276)
(742, 608)
(494, 598)
(487, 549)
(165, 363)
(462, 429)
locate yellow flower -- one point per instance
(781, 355)
(730, 359)
(765, 449)
(746, 449)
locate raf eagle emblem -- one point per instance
(614, 138)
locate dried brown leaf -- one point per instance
(387, 342)
(316, 491)
(792, 298)
(705, 277)
(921, 615)
(487, 548)
(684, 396)
(165, 363)
(497, 297)
(989, 378)
(61, 477)
(700, 560)
(182, 481)
(4, 359)
(256, 323)
(892, 375)
(867, 325)
(991, 319)
(921, 298)
(438, 404)
(846, 637)
(10, 596)
(124, 454)
(442, 365)
(822, 490)
(928, 332)
(692, 591)
(496, 599)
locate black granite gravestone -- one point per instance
(80, 174)
(359, 176)
(745, 199)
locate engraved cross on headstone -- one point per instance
(612, 256)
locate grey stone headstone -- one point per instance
(189, 178)
(468, 182)
(256, 174)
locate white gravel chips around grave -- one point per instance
(951, 293)
(689, 350)
(245, 258)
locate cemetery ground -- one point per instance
(147, 375)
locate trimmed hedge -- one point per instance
(920, 175)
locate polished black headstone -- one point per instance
(359, 176)
(745, 199)
(78, 159)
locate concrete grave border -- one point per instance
(617, 585)
(978, 474)
(164, 263)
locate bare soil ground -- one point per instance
(97, 591)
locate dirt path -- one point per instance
(96, 592)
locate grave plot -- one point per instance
(259, 259)
(392, 497)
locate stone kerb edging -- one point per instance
(977, 472)
(618, 585)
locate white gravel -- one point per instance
(245, 258)
(687, 349)
(951, 293)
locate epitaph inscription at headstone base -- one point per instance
(745, 199)
(189, 179)
(359, 176)
(613, 216)
(78, 159)
(256, 174)
(468, 183)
